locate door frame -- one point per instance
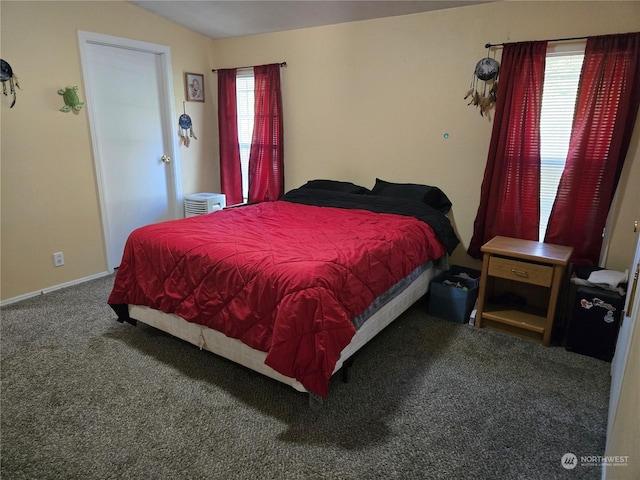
(169, 125)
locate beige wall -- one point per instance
(361, 100)
(49, 195)
(375, 98)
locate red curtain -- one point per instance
(607, 106)
(509, 197)
(266, 170)
(230, 171)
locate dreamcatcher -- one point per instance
(6, 75)
(486, 71)
(185, 130)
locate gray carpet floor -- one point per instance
(86, 397)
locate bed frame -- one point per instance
(236, 351)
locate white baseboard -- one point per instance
(25, 296)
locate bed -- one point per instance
(291, 288)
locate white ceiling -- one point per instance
(236, 18)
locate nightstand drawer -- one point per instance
(521, 271)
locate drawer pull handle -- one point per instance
(520, 273)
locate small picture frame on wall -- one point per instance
(194, 84)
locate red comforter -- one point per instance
(284, 278)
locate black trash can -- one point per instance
(595, 322)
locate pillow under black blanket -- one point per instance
(381, 204)
(432, 196)
(336, 186)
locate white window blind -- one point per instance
(245, 105)
(561, 77)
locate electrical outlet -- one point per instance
(58, 259)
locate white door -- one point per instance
(624, 411)
(131, 116)
(625, 335)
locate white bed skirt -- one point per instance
(236, 351)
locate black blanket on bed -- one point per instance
(379, 204)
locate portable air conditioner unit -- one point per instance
(201, 203)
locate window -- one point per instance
(245, 103)
(253, 121)
(561, 77)
(604, 112)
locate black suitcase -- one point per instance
(595, 322)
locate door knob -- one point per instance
(165, 159)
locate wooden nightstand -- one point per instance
(519, 287)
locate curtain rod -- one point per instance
(282, 64)
(489, 45)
